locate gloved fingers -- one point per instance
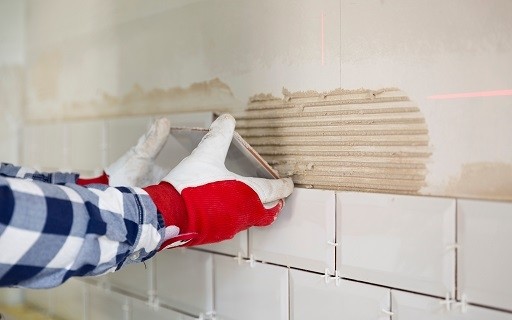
(270, 214)
(150, 144)
(216, 142)
(269, 189)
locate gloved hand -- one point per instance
(202, 202)
(136, 167)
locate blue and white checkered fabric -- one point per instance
(51, 232)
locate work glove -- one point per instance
(202, 202)
(136, 168)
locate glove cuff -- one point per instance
(103, 179)
(169, 203)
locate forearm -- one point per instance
(49, 233)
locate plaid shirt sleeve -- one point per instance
(53, 230)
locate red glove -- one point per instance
(103, 179)
(202, 202)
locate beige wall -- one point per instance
(98, 59)
(12, 57)
(73, 72)
(102, 58)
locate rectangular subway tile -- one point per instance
(250, 292)
(485, 257)
(303, 234)
(405, 242)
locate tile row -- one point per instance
(396, 242)
(88, 146)
(78, 300)
(421, 244)
(250, 291)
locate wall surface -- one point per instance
(95, 73)
(97, 59)
(12, 58)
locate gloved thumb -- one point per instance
(269, 190)
(150, 144)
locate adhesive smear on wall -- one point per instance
(361, 140)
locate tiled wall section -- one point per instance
(383, 256)
(330, 255)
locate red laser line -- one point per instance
(493, 93)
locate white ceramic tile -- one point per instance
(134, 278)
(123, 133)
(86, 145)
(485, 257)
(105, 305)
(173, 152)
(190, 120)
(231, 247)
(410, 306)
(250, 293)
(397, 241)
(312, 298)
(68, 300)
(9, 141)
(45, 146)
(185, 280)
(301, 234)
(39, 299)
(141, 310)
(11, 296)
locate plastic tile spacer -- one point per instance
(463, 304)
(239, 258)
(447, 302)
(332, 243)
(337, 278)
(452, 246)
(387, 312)
(154, 303)
(251, 261)
(326, 276)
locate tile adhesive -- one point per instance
(359, 140)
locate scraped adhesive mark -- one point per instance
(478, 94)
(208, 95)
(360, 140)
(484, 180)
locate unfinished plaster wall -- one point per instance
(428, 50)
(101, 59)
(100, 70)
(117, 57)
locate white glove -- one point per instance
(136, 168)
(203, 202)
